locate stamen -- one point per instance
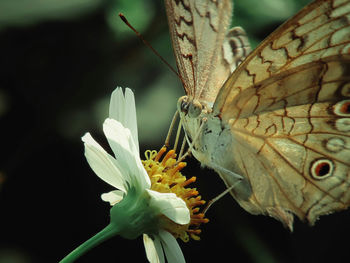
(196, 201)
(177, 168)
(191, 193)
(150, 154)
(166, 177)
(194, 237)
(195, 231)
(195, 210)
(160, 153)
(170, 154)
(154, 170)
(189, 181)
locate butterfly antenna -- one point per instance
(123, 18)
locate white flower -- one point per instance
(135, 208)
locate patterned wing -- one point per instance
(236, 47)
(295, 147)
(318, 31)
(205, 55)
(288, 108)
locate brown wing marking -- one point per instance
(319, 31)
(197, 31)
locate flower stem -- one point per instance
(106, 233)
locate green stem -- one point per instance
(106, 233)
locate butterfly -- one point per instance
(274, 124)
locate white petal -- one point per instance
(171, 248)
(122, 108)
(171, 206)
(102, 163)
(154, 250)
(117, 105)
(116, 133)
(122, 144)
(113, 197)
(159, 249)
(130, 116)
(118, 136)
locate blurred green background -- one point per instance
(60, 60)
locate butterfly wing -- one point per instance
(319, 30)
(205, 54)
(288, 109)
(236, 47)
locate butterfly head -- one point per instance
(189, 106)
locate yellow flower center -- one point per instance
(166, 177)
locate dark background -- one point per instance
(60, 60)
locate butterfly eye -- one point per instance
(182, 104)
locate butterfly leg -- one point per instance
(222, 170)
(190, 144)
(239, 186)
(182, 147)
(171, 128)
(218, 197)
